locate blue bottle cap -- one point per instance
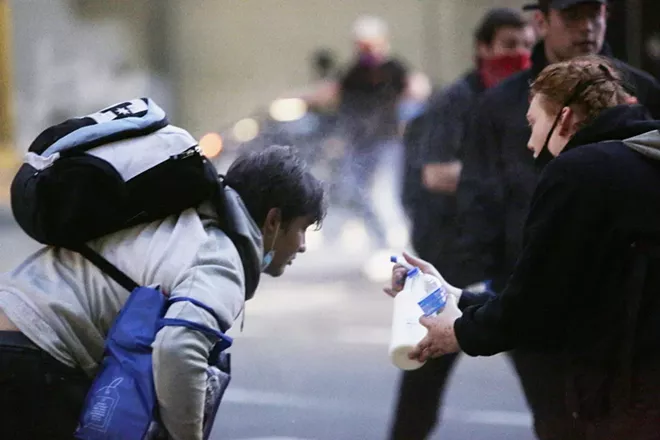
(393, 259)
(412, 272)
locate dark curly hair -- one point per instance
(496, 19)
(276, 177)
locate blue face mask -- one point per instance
(268, 256)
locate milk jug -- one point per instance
(422, 294)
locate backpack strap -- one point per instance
(107, 267)
(230, 226)
(197, 303)
(227, 224)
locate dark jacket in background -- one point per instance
(499, 176)
(583, 302)
(437, 136)
(369, 98)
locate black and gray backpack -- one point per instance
(122, 166)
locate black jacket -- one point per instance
(369, 96)
(498, 174)
(595, 207)
(437, 135)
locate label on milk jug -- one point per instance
(434, 302)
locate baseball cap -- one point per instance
(557, 4)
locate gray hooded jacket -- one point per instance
(66, 306)
(647, 144)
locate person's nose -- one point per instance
(587, 26)
(523, 50)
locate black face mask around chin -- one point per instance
(544, 157)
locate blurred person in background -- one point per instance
(583, 300)
(498, 174)
(373, 95)
(323, 96)
(503, 42)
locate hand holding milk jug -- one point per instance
(422, 294)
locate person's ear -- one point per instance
(483, 50)
(542, 21)
(568, 122)
(272, 221)
(631, 100)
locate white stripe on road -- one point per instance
(283, 400)
(281, 300)
(274, 438)
(486, 417)
(353, 335)
(364, 335)
(265, 398)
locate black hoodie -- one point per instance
(499, 175)
(594, 204)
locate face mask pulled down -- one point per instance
(270, 255)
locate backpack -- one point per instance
(119, 167)
(91, 176)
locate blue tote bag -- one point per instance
(121, 403)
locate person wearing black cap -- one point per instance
(498, 175)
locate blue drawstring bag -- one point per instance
(121, 403)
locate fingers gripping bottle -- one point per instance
(422, 294)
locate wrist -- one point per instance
(457, 346)
(455, 292)
(452, 340)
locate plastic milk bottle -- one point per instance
(422, 294)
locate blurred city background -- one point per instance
(312, 361)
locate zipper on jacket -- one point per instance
(192, 151)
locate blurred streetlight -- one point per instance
(287, 110)
(245, 130)
(211, 145)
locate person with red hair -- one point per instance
(582, 306)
